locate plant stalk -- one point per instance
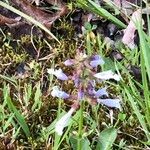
(79, 146)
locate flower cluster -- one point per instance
(85, 77)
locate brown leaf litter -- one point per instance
(38, 14)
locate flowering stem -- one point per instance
(95, 110)
(80, 127)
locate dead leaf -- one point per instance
(5, 20)
(38, 14)
(62, 7)
(128, 38)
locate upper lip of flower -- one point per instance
(62, 123)
(106, 75)
(58, 73)
(101, 92)
(96, 60)
(58, 93)
(69, 62)
(114, 103)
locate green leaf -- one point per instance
(87, 26)
(144, 45)
(8, 122)
(106, 139)
(84, 142)
(136, 110)
(9, 79)
(122, 116)
(37, 98)
(109, 64)
(94, 27)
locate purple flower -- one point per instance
(80, 95)
(58, 93)
(91, 87)
(96, 60)
(58, 73)
(106, 75)
(76, 80)
(91, 91)
(101, 92)
(63, 122)
(69, 62)
(114, 103)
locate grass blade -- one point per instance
(137, 111)
(9, 79)
(19, 118)
(37, 98)
(95, 8)
(144, 48)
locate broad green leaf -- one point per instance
(106, 139)
(109, 64)
(84, 142)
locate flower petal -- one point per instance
(110, 102)
(91, 87)
(76, 80)
(106, 75)
(60, 94)
(101, 92)
(51, 71)
(63, 122)
(96, 60)
(58, 73)
(69, 62)
(80, 95)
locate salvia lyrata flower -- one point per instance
(101, 92)
(106, 75)
(110, 102)
(58, 73)
(56, 92)
(96, 60)
(63, 122)
(84, 77)
(69, 62)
